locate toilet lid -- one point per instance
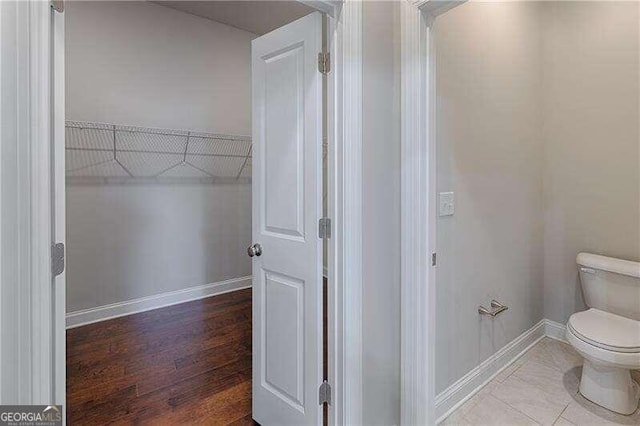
(606, 330)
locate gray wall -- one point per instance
(489, 152)
(592, 141)
(538, 136)
(381, 222)
(142, 64)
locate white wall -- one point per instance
(126, 242)
(142, 64)
(139, 63)
(489, 152)
(592, 142)
(381, 220)
(538, 135)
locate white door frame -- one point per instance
(58, 213)
(418, 229)
(25, 233)
(344, 198)
(36, 108)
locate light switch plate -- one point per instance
(445, 204)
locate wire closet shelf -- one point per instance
(98, 153)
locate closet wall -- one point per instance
(142, 64)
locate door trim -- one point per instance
(418, 228)
(26, 203)
(58, 232)
(345, 208)
(344, 194)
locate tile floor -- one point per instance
(540, 388)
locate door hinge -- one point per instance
(57, 259)
(434, 259)
(58, 5)
(324, 228)
(324, 393)
(324, 62)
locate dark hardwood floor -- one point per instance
(184, 364)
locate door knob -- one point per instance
(254, 250)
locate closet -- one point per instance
(159, 208)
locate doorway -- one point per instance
(158, 214)
(38, 104)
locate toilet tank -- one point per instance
(610, 285)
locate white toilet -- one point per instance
(607, 335)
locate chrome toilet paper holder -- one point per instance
(496, 306)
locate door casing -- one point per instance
(418, 229)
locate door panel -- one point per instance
(283, 361)
(284, 170)
(287, 204)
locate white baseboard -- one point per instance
(102, 313)
(459, 392)
(555, 330)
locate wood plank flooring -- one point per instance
(184, 364)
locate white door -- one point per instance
(287, 204)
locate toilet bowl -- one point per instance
(607, 335)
